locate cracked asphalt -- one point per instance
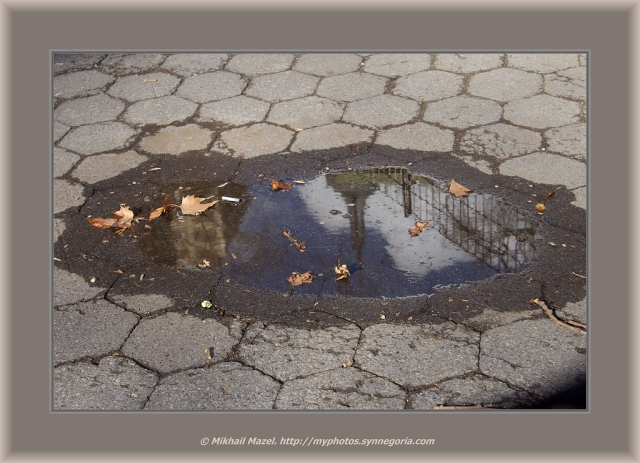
(130, 333)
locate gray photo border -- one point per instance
(29, 36)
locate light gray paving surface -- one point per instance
(513, 114)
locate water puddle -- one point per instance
(359, 217)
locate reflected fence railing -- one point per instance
(483, 225)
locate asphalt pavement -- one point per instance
(133, 333)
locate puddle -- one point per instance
(360, 217)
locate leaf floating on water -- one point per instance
(300, 245)
(276, 185)
(418, 227)
(297, 279)
(342, 271)
(192, 205)
(458, 190)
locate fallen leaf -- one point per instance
(300, 245)
(125, 213)
(118, 271)
(205, 263)
(124, 222)
(342, 271)
(192, 205)
(166, 207)
(540, 207)
(418, 227)
(206, 304)
(550, 194)
(458, 190)
(101, 223)
(276, 185)
(296, 279)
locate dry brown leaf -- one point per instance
(192, 205)
(300, 245)
(418, 227)
(124, 222)
(458, 190)
(296, 279)
(101, 223)
(341, 271)
(166, 207)
(276, 185)
(125, 213)
(156, 213)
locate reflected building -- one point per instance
(391, 200)
(177, 240)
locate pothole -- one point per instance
(359, 217)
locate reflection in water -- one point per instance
(360, 217)
(482, 226)
(184, 241)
